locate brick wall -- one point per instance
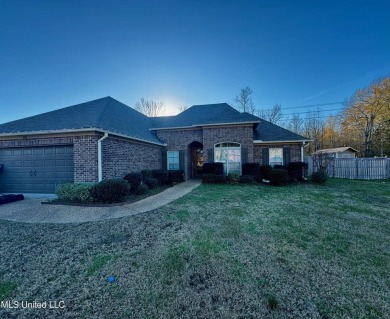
(30, 142)
(295, 151)
(85, 158)
(84, 151)
(122, 156)
(119, 156)
(180, 139)
(236, 134)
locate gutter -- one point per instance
(81, 130)
(100, 157)
(202, 125)
(273, 142)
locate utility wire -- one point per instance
(305, 106)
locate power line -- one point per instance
(306, 106)
(316, 111)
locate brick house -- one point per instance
(104, 139)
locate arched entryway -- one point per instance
(195, 163)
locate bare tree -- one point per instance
(321, 161)
(243, 101)
(182, 108)
(150, 108)
(273, 115)
(295, 123)
(313, 128)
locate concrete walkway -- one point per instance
(31, 210)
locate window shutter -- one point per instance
(244, 155)
(265, 155)
(286, 155)
(181, 160)
(164, 158)
(210, 155)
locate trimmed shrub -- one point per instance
(134, 179)
(213, 168)
(152, 183)
(110, 191)
(75, 193)
(319, 177)
(208, 178)
(252, 169)
(297, 170)
(233, 178)
(146, 173)
(220, 179)
(175, 177)
(161, 176)
(247, 179)
(141, 189)
(278, 177)
(265, 171)
(297, 165)
(213, 179)
(280, 167)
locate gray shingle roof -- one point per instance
(105, 113)
(336, 150)
(111, 115)
(207, 114)
(268, 132)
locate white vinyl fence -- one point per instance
(355, 168)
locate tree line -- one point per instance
(363, 123)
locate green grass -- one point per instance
(98, 262)
(7, 289)
(222, 251)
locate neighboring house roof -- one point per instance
(202, 115)
(336, 150)
(269, 132)
(106, 114)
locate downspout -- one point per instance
(303, 145)
(100, 157)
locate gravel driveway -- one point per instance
(32, 211)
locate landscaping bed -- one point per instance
(129, 199)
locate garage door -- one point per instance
(35, 169)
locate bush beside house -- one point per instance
(117, 190)
(254, 172)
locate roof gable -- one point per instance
(269, 132)
(207, 114)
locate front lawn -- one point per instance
(222, 251)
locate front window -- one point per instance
(276, 156)
(230, 155)
(173, 160)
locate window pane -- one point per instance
(276, 156)
(173, 160)
(230, 155)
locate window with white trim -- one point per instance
(275, 156)
(230, 155)
(173, 160)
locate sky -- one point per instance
(298, 53)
